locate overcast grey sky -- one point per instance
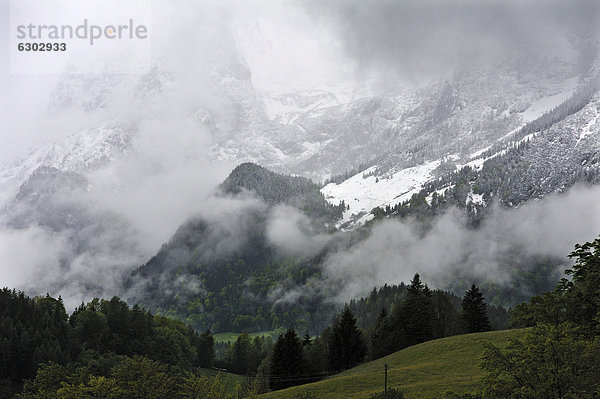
(431, 38)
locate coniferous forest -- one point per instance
(105, 348)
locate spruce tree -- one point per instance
(475, 311)
(287, 361)
(382, 338)
(306, 340)
(346, 347)
(416, 286)
(413, 317)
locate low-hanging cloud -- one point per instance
(78, 268)
(164, 176)
(395, 250)
(292, 233)
(422, 40)
(27, 257)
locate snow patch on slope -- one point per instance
(365, 191)
(475, 199)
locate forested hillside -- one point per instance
(226, 274)
(221, 274)
(107, 349)
(556, 356)
(417, 315)
(274, 189)
(103, 348)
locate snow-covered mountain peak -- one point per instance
(79, 152)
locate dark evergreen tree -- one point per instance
(306, 340)
(416, 285)
(366, 310)
(475, 311)
(316, 358)
(205, 346)
(32, 331)
(446, 316)
(383, 339)
(346, 347)
(243, 356)
(287, 361)
(414, 315)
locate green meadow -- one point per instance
(426, 371)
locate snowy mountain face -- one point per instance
(116, 105)
(318, 135)
(554, 122)
(549, 160)
(401, 141)
(48, 200)
(105, 136)
(515, 169)
(85, 150)
(455, 117)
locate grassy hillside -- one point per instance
(231, 380)
(422, 371)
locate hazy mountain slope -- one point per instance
(548, 159)
(460, 116)
(273, 189)
(549, 154)
(37, 202)
(84, 248)
(228, 272)
(82, 151)
(315, 134)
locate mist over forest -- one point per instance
(397, 171)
